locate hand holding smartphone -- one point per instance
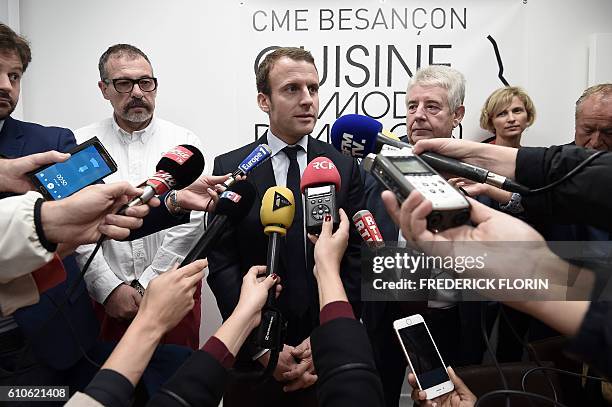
(89, 163)
(423, 356)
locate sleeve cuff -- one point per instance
(110, 388)
(51, 247)
(219, 351)
(336, 309)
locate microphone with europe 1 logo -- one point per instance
(276, 214)
(367, 227)
(177, 169)
(319, 184)
(258, 156)
(357, 136)
(233, 205)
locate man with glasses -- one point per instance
(136, 139)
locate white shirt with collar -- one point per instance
(280, 164)
(137, 155)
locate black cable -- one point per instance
(530, 349)
(59, 309)
(566, 372)
(568, 175)
(483, 330)
(516, 393)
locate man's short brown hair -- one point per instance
(10, 41)
(264, 68)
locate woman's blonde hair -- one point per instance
(499, 100)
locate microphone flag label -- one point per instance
(351, 147)
(231, 195)
(179, 154)
(257, 156)
(280, 202)
(367, 228)
(161, 182)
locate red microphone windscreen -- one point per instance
(320, 171)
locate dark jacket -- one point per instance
(584, 198)
(245, 245)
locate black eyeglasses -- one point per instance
(125, 85)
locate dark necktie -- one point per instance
(296, 279)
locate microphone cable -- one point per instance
(485, 337)
(568, 175)
(59, 309)
(508, 393)
(562, 371)
(530, 350)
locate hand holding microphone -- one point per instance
(328, 252)
(357, 136)
(276, 213)
(234, 204)
(177, 169)
(319, 184)
(203, 194)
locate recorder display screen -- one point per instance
(410, 166)
(80, 170)
(425, 361)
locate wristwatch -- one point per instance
(172, 204)
(138, 287)
(514, 204)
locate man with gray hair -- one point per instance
(136, 139)
(434, 102)
(594, 118)
(434, 107)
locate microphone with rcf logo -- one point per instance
(319, 184)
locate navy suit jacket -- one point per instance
(246, 245)
(56, 345)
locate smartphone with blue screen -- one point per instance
(89, 163)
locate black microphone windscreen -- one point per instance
(184, 166)
(236, 201)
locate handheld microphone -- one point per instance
(258, 156)
(234, 204)
(357, 136)
(276, 213)
(366, 226)
(319, 184)
(177, 169)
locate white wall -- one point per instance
(191, 42)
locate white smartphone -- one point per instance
(423, 356)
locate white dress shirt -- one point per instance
(137, 155)
(280, 165)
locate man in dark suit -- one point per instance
(288, 83)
